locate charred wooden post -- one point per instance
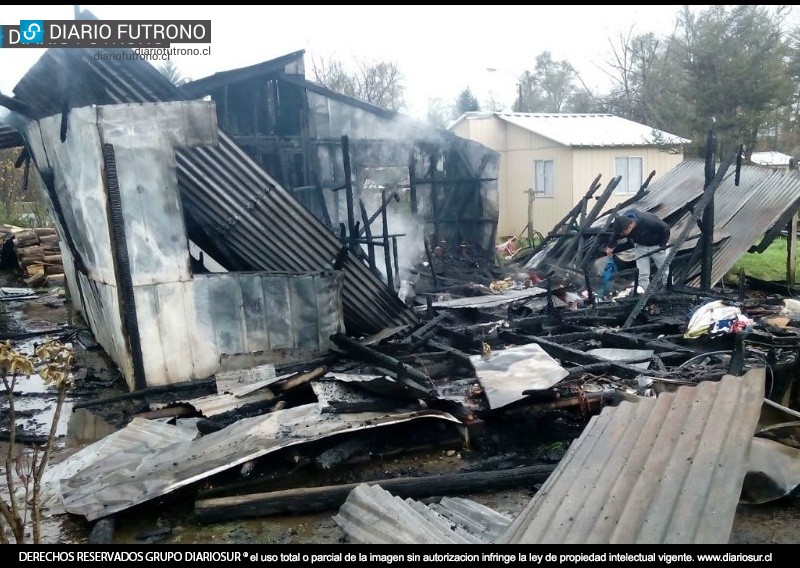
(308, 499)
(630, 341)
(707, 222)
(419, 337)
(387, 252)
(395, 260)
(348, 193)
(430, 265)
(385, 201)
(791, 251)
(412, 181)
(736, 365)
(588, 282)
(368, 232)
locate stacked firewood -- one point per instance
(39, 257)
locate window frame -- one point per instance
(543, 192)
(626, 188)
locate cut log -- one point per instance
(314, 499)
(36, 280)
(56, 280)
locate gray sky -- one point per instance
(439, 49)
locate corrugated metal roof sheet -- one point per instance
(205, 85)
(372, 515)
(663, 470)
(140, 437)
(117, 483)
(256, 221)
(763, 202)
(590, 129)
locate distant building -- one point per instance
(774, 159)
(559, 155)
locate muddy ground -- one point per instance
(509, 441)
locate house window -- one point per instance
(631, 171)
(543, 177)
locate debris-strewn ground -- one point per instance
(514, 438)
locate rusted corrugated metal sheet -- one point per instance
(372, 515)
(234, 203)
(663, 470)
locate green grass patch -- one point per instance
(768, 265)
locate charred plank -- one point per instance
(310, 499)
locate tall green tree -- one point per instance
(737, 70)
(466, 102)
(549, 88)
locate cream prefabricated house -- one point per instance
(559, 155)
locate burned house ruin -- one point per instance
(209, 195)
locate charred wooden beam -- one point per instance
(297, 380)
(431, 324)
(430, 264)
(381, 210)
(348, 192)
(314, 499)
(405, 373)
(590, 401)
(592, 320)
(421, 336)
(576, 336)
(387, 252)
(569, 218)
(457, 354)
(629, 341)
(207, 384)
(365, 229)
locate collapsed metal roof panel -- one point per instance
(372, 515)
(107, 488)
(252, 218)
(662, 470)
(140, 437)
(762, 203)
(205, 85)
